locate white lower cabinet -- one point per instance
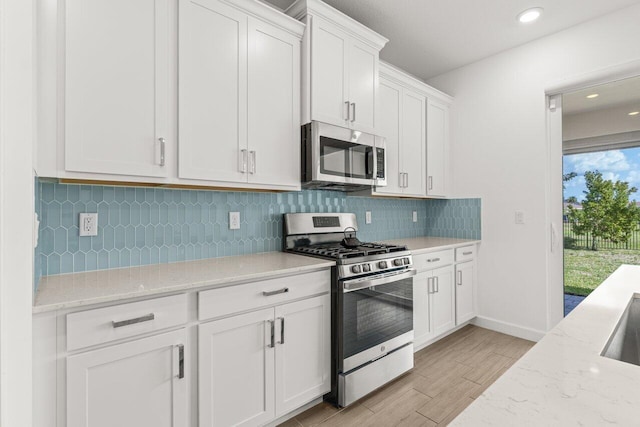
(135, 384)
(258, 366)
(434, 304)
(465, 292)
(236, 370)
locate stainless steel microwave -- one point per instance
(338, 158)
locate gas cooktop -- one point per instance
(339, 251)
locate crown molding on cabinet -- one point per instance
(267, 13)
(401, 77)
(301, 8)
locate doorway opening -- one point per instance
(601, 185)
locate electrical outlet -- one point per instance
(367, 217)
(88, 224)
(415, 216)
(234, 220)
(519, 217)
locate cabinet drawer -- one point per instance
(465, 253)
(107, 324)
(234, 299)
(433, 260)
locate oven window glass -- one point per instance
(374, 315)
(345, 159)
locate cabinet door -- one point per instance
(437, 148)
(465, 298)
(303, 352)
(236, 370)
(116, 91)
(442, 300)
(363, 86)
(135, 384)
(421, 311)
(212, 102)
(412, 146)
(389, 128)
(274, 105)
(328, 73)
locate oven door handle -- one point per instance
(355, 285)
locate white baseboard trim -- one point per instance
(508, 328)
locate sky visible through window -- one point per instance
(623, 165)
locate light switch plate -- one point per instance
(234, 220)
(519, 217)
(367, 217)
(88, 224)
(415, 216)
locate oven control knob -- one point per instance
(398, 262)
(382, 264)
(355, 269)
(406, 261)
(366, 268)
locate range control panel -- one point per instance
(360, 267)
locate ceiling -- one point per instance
(431, 37)
(613, 94)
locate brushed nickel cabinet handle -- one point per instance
(252, 161)
(242, 160)
(279, 291)
(437, 282)
(162, 150)
(281, 330)
(272, 341)
(459, 277)
(180, 361)
(145, 318)
(433, 260)
(430, 179)
(348, 110)
(353, 105)
(467, 253)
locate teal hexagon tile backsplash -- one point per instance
(141, 226)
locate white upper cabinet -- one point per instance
(213, 82)
(340, 67)
(189, 92)
(116, 87)
(437, 148)
(239, 97)
(414, 119)
(239, 80)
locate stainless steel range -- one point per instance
(372, 302)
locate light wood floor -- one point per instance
(447, 377)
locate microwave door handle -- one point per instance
(355, 285)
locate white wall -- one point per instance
(600, 122)
(499, 153)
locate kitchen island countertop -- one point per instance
(563, 380)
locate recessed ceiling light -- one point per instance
(634, 113)
(593, 95)
(530, 15)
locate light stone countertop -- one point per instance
(80, 289)
(563, 380)
(418, 245)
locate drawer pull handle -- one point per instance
(467, 253)
(433, 260)
(279, 291)
(128, 322)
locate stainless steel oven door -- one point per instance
(346, 156)
(377, 316)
